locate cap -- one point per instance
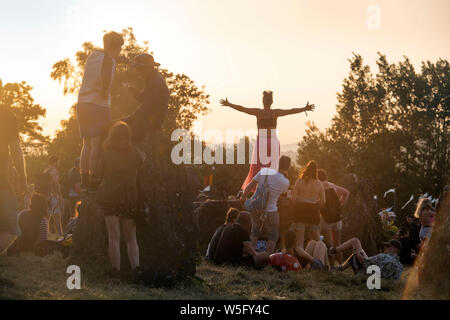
(145, 59)
(394, 243)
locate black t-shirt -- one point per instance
(155, 99)
(405, 253)
(210, 253)
(230, 247)
(8, 133)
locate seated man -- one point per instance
(389, 261)
(234, 246)
(232, 215)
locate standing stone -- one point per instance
(166, 231)
(434, 260)
(360, 218)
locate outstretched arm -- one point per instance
(282, 112)
(251, 111)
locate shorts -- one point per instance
(334, 226)
(425, 232)
(126, 211)
(93, 120)
(299, 226)
(270, 227)
(8, 213)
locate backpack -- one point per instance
(258, 201)
(331, 212)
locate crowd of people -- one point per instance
(317, 205)
(107, 172)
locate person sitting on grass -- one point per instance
(118, 193)
(388, 262)
(33, 224)
(232, 215)
(234, 246)
(313, 257)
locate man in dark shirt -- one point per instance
(152, 113)
(232, 215)
(9, 144)
(408, 252)
(234, 245)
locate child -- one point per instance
(118, 192)
(94, 106)
(425, 213)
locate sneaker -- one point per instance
(331, 251)
(317, 265)
(339, 268)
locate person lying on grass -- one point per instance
(232, 215)
(313, 257)
(388, 262)
(234, 246)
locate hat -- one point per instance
(144, 59)
(394, 243)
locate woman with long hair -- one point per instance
(267, 144)
(118, 193)
(425, 212)
(309, 197)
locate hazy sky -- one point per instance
(235, 48)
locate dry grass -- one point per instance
(31, 277)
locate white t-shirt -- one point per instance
(92, 83)
(277, 185)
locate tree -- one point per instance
(186, 102)
(18, 97)
(391, 127)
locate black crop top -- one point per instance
(269, 123)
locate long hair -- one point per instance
(422, 205)
(119, 137)
(38, 206)
(309, 171)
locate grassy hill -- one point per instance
(30, 277)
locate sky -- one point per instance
(299, 49)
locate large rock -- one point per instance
(209, 215)
(434, 261)
(360, 218)
(166, 231)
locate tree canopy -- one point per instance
(391, 127)
(18, 97)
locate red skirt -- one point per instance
(262, 156)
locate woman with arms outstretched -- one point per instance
(267, 138)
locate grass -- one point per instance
(29, 277)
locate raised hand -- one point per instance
(309, 107)
(225, 102)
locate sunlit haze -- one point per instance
(236, 49)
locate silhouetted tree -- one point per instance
(18, 97)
